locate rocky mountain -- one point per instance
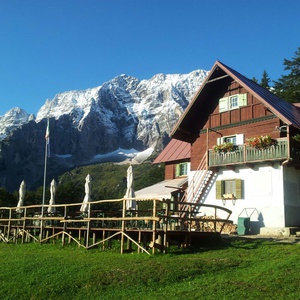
(12, 120)
(85, 126)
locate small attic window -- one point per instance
(232, 102)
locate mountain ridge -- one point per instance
(124, 112)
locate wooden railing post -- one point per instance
(9, 224)
(88, 226)
(154, 226)
(123, 225)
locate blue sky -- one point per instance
(48, 47)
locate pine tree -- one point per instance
(288, 86)
(265, 80)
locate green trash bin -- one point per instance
(243, 227)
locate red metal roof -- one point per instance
(174, 151)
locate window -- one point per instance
(230, 139)
(182, 169)
(237, 139)
(232, 102)
(229, 187)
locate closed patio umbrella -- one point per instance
(22, 191)
(87, 189)
(51, 209)
(130, 203)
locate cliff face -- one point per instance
(122, 113)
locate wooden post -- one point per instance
(103, 238)
(24, 226)
(88, 227)
(190, 224)
(129, 244)
(154, 226)
(65, 217)
(94, 238)
(15, 239)
(79, 236)
(123, 226)
(139, 240)
(9, 224)
(41, 228)
(53, 231)
(165, 222)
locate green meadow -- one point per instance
(231, 269)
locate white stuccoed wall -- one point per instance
(262, 195)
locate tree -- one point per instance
(6, 198)
(288, 86)
(265, 80)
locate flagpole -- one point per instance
(45, 165)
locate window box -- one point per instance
(261, 143)
(225, 147)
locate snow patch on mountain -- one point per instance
(75, 103)
(120, 155)
(12, 120)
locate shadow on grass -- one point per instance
(253, 242)
(208, 243)
(225, 242)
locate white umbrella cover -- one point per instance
(87, 188)
(51, 209)
(130, 204)
(22, 191)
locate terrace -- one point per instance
(108, 220)
(245, 154)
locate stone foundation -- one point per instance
(278, 231)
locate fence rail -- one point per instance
(86, 228)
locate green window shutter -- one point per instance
(219, 189)
(240, 139)
(177, 171)
(223, 104)
(238, 188)
(220, 140)
(242, 99)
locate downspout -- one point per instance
(288, 147)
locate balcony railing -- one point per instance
(247, 154)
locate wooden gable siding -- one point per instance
(170, 171)
(254, 109)
(263, 127)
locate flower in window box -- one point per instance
(296, 137)
(228, 196)
(261, 143)
(225, 147)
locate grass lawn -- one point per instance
(239, 269)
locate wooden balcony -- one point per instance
(247, 155)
